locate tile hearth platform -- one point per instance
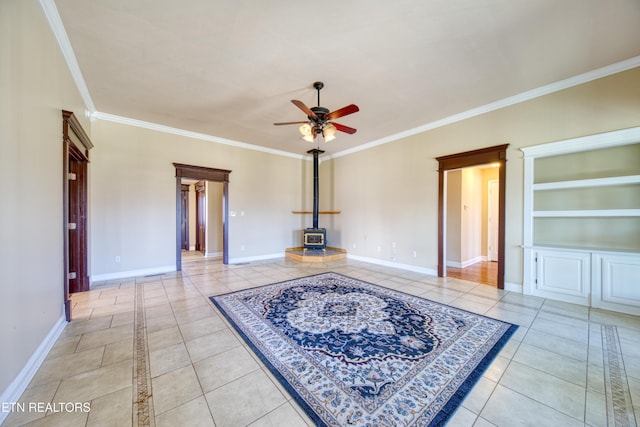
(315, 255)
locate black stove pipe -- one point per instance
(316, 186)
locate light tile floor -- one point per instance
(161, 336)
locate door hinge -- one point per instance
(72, 275)
(72, 226)
(71, 176)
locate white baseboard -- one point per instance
(20, 383)
(392, 264)
(132, 273)
(255, 258)
(213, 255)
(513, 287)
(466, 263)
(192, 248)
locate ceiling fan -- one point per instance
(320, 119)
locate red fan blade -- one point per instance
(304, 108)
(345, 129)
(344, 111)
(289, 123)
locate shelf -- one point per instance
(587, 213)
(320, 212)
(581, 183)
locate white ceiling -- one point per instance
(229, 68)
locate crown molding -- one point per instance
(55, 22)
(189, 134)
(608, 70)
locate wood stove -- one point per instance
(315, 237)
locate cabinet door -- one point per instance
(563, 275)
(616, 282)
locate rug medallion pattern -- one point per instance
(353, 353)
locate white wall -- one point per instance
(35, 85)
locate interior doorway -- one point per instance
(492, 155)
(75, 159)
(471, 222)
(202, 174)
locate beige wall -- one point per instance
(214, 218)
(134, 203)
(389, 193)
(35, 85)
(454, 217)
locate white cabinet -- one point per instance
(607, 280)
(616, 284)
(562, 275)
(582, 220)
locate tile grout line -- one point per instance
(619, 407)
(143, 415)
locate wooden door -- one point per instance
(77, 222)
(75, 158)
(201, 217)
(185, 218)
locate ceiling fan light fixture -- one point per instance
(306, 130)
(329, 132)
(309, 138)
(320, 119)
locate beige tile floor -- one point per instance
(162, 333)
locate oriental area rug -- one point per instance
(356, 354)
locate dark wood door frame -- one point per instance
(75, 157)
(483, 156)
(208, 174)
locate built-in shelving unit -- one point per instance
(582, 220)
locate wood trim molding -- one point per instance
(483, 156)
(200, 172)
(71, 121)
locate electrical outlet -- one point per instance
(414, 254)
(117, 259)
